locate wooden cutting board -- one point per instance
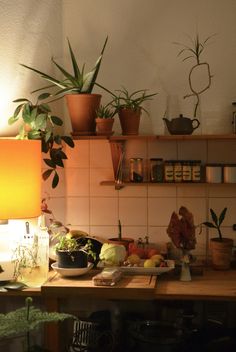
(129, 287)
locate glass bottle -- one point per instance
(178, 171)
(169, 171)
(136, 170)
(32, 256)
(156, 170)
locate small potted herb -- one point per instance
(105, 119)
(72, 253)
(221, 247)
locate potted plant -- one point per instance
(77, 87)
(38, 122)
(129, 108)
(221, 247)
(73, 253)
(105, 119)
(125, 241)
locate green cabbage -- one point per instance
(112, 254)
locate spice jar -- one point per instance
(196, 170)
(169, 171)
(156, 170)
(213, 173)
(178, 171)
(230, 173)
(136, 170)
(186, 171)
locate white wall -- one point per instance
(141, 54)
(30, 33)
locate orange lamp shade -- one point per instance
(20, 178)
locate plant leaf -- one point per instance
(56, 120)
(222, 216)
(46, 174)
(68, 140)
(214, 217)
(44, 96)
(55, 180)
(50, 163)
(209, 224)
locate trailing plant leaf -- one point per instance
(40, 125)
(222, 216)
(216, 221)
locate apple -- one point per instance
(134, 249)
(151, 252)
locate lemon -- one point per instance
(149, 263)
(157, 258)
(133, 259)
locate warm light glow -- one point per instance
(20, 178)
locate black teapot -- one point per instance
(181, 125)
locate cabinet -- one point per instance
(118, 145)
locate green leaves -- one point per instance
(38, 123)
(216, 221)
(78, 81)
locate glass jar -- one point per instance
(214, 173)
(178, 171)
(156, 170)
(169, 171)
(186, 171)
(230, 173)
(196, 170)
(136, 170)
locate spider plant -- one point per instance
(39, 123)
(133, 101)
(77, 82)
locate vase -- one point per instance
(185, 274)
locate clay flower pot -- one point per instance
(130, 121)
(104, 126)
(82, 110)
(221, 252)
(125, 241)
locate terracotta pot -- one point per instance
(82, 110)
(104, 126)
(221, 253)
(129, 120)
(125, 241)
(72, 259)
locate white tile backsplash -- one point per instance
(142, 209)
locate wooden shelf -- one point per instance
(119, 185)
(188, 137)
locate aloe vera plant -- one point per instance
(77, 82)
(106, 111)
(216, 221)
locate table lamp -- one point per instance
(20, 194)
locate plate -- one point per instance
(149, 271)
(71, 271)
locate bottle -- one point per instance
(213, 173)
(156, 170)
(136, 170)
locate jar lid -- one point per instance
(229, 165)
(135, 159)
(214, 165)
(156, 159)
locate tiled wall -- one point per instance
(83, 203)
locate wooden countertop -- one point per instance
(212, 285)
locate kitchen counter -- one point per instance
(212, 285)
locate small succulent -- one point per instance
(105, 111)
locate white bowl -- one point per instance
(71, 271)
